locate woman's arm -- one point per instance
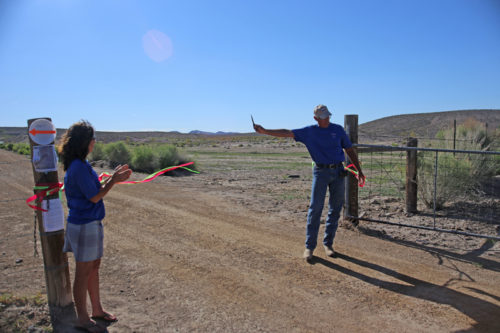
(122, 173)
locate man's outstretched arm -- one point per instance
(282, 133)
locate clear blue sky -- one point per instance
(207, 65)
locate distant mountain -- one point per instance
(426, 124)
(212, 133)
(417, 124)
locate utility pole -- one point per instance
(51, 223)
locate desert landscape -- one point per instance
(193, 107)
(220, 251)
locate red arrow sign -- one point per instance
(34, 131)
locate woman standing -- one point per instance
(84, 230)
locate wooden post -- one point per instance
(351, 183)
(411, 177)
(454, 135)
(55, 261)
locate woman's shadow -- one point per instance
(486, 314)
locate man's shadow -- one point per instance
(486, 314)
(473, 256)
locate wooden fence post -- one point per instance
(411, 177)
(351, 183)
(454, 135)
(41, 137)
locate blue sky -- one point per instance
(129, 65)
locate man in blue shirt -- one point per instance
(326, 143)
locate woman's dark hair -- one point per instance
(75, 142)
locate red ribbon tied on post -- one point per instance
(355, 172)
(46, 190)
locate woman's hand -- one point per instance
(122, 173)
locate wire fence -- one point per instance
(427, 141)
(457, 191)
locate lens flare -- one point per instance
(157, 45)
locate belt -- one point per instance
(329, 166)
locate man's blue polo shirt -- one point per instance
(325, 145)
(80, 184)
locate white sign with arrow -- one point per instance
(42, 131)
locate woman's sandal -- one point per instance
(107, 317)
(91, 327)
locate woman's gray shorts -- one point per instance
(84, 240)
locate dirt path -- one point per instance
(181, 259)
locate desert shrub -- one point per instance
(22, 148)
(168, 155)
(141, 158)
(98, 153)
(144, 159)
(460, 174)
(150, 158)
(117, 153)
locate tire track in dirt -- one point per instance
(252, 267)
(179, 257)
(230, 283)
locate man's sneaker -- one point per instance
(329, 250)
(308, 254)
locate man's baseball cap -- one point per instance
(321, 112)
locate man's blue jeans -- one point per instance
(323, 179)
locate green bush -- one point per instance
(98, 153)
(144, 159)
(22, 148)
(117, 153)
(458, 175)
(168, 155)
(141, 158)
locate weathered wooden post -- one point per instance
(351, 183)
(411, 177)
(51, 222)
(454, 135)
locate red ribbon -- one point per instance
(51, 188)
(148, 178)
(355, 173)
(46, 190)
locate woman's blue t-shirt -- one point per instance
(325, 145)
(80, 184)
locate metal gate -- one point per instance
(455, 191)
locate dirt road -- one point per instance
(184, 257)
